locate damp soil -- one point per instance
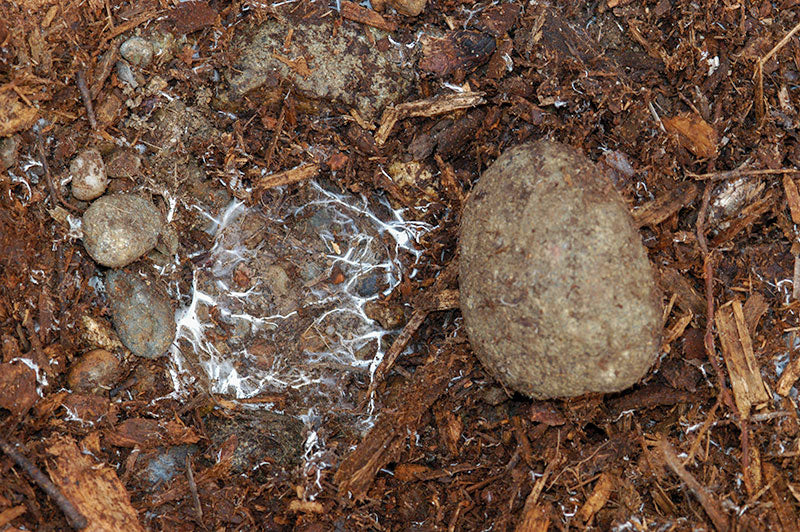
(308, 163)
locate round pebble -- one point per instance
(119, 229)
(97, 369)
(137, 51)
(89, 179)
(141, 313)
(557, 293)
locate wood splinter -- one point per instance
(426, 107)
(75, 519)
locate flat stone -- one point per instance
(141, 313)
(323, 61)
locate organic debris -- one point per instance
(307, 162)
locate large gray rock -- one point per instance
(557, 293)
(141, 313)
(323, 61)
(117, 230)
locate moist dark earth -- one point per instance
(305, 165)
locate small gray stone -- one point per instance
(117, 230)
(163, 464)
(141, 314)
(137, 51)
(389, 315)
(126, 74)
(89, 179)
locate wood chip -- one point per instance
(362, 15)
(387, 438)
(535, 514)
(694, 134)
(93, 488)
(443, 300)
(746, 218)
(792, 197)
(754, 308)
(737, 350)
(667, 204)
(397, 347)
(598, 498)
(9, 514)
(789, 377)
(287, 177)
(426, 107)
(672, 282)
(787, 515)
(677, 329)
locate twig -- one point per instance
(287, 177)
(54, 194)
(357, 13)
(103, 70)
(86, 97)
(711, 507)
(275, 135)
(119, 30)
(75, 519)
(758, 95)
(399, 344)
(708, 276)
(193, 489)
(426, 107)
(780, 44)
(731, 174)
(708, 340)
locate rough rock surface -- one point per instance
(119, 229)
(324, 61)
(557, 292)
(94, 370)
(142, 314)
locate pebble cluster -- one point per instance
(119, 229)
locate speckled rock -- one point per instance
(95, 370)
(141, 313)
(88, 172)
(137, 51)
(119, 229)
(336, 62)
(410, 8)
(557, 293)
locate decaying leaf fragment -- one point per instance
(694, 133)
